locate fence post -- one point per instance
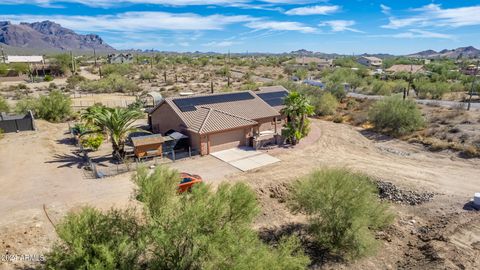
(189, 152)
(173, 155)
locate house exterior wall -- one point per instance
(164, 118)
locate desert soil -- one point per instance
(42, 168)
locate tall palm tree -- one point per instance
(117, 122)
(297, 109)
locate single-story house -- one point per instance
(320, 62)
(406, 68)
(370, 61)
(215, 122)
(120, 58)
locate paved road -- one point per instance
(442, 103)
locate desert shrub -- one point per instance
(93, 141)
(325, 105)
(112, 83)
(48, 78)
(95, 240)
(75, 80)
(120, 69)
(433, 90)
(147, 75)
(343, 210)
(202, 229)
(381, 88)
(4, 107)
(1, 134)
(55, 107)
(26, 104)
(395, 116)
(336, 89)
(338, 119)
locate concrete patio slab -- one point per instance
(245, 158)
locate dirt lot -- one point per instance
(40, 168)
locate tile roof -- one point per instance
(207, 118)
(405, 68)
(147, 140)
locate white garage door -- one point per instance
(227, 140)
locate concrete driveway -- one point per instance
(245, 158)
(211, 169)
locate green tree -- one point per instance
(297, 109)
(55, 107)
(63, 62)
(343, 210)
(325, 105)
(117, 122)
(395, 116)
(202, 229)
(4, 107)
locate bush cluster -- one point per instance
(54, 107)
(395, 116)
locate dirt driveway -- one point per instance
(38, 168)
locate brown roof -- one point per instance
(147, 140)
(207, 118)
(216, 120)
(405, 68)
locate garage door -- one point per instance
(227, 140)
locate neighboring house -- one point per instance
(221, 121)
(406, 68)
(370, 61)
(120, 58)
(320, 62)
(470, 70)
(34, 59)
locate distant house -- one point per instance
(406, 68)
(470, 70)
(370, 61)
(216, 122)
(120, 58)
(34, 59)
(320, 62)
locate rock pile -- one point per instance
(388, 191)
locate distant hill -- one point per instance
(48, 36)
(462, 52)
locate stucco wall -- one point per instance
(164, 118)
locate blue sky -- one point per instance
(347, 27)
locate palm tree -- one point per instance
(297, 109)
(117, 122)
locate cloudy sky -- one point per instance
(356, 26)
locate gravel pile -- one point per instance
(388, 191)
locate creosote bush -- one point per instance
(54, 107)
(395, 116)
(325, 105)
(343, 210)
(4, 107)
(201, 229)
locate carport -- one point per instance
(245, 158)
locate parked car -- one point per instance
(187, 181)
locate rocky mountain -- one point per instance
(48, 36)
(465, 52)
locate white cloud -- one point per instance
(385, 9)
(280, 26)
(417, 33)
(111, 3)
(434, 15)
(340, 25)
(136, 21)
(313, 10)
(220, 44)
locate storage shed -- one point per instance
(16, 123)
(148, 146)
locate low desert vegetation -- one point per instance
(4, 107)
(54, 107)
(343, 211)
(395, 116)
(326, 104)
(203, 229)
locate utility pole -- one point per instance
(3, 56)
(473, 86)
(406, 92)
(73, 63)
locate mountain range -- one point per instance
(462, 52)
(48, 36)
